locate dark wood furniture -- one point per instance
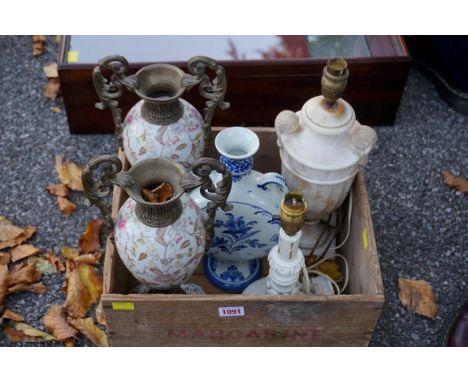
(259, 89)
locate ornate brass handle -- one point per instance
(217, 194)
(108, 90)
(99, 177)
(214, 91)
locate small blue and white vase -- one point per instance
(246, 233)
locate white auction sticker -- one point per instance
(231, 311)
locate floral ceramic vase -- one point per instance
(161, 124)
(161, 242)
(246, 233)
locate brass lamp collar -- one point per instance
(334, 79)
(293, 208)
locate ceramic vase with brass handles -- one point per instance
(160, 243)
(162, 124)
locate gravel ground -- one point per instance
(420, 224)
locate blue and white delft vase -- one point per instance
(246, 233)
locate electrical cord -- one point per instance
(310, 268)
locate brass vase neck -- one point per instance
(162, 113)
(334, 79)
(159, 214)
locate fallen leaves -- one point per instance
(55, 321)
(10, 315)
(87, 327)
(8, 230)
(52, 88)
(69, 173)
(66, 207)
(69, 253)
(458, 183)
(24, 273)
(59, 190)
(38, 43)
(4, 281)
(28, 231)
(38, 288)
(78, 298)
(22, 251)
(22, 332)
(50, 70)
(84, 284)
(5, 258)
(89, 241)
(53, 84)
(418, 296)
(159, 194)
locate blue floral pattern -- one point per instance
(237, 167)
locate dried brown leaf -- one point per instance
(159, 194)
(23, 251)
(78, 298)
(69, 253)
(33, 332)
(66, 207)
(55, 321)
(92, 280)
(24, 273)
(10, 315)
(8, 230)
(4, 258)
(100, 316)
(59, 190)
(89, 240)
(55, 109)
(50, 263)
(38, 43)
(69, 343)
(28, 231)
(4, 280)
(52, 88)
(69, 173)
(50, 70)
(87, 327)
(458, 183)
(418, 296)
(89, 258)
(39, 288)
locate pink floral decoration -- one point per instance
(121, 224)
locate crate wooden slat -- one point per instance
(303, 320)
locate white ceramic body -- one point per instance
(250, 229)
(181, 142)
(321, 150)
(161, 257)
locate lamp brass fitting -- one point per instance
(293, 208)
(334, 79)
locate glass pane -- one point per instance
(89, 49)
(338, 46)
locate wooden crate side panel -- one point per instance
(267, 322)
(360, 247)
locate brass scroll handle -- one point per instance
(214, 91)
(217, 194)
(99, 177)
(110, 89)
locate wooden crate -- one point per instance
(301, 320)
